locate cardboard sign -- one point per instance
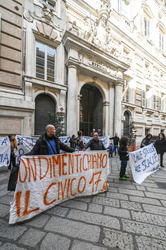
(4, 151)
(44, 181)
(143, 162)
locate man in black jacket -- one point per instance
(49, 144)
(116, 142)
(95, 143)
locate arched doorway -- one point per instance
(127, 120)
(91, 109)
(44, 103)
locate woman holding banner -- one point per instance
(160, 144)
(146, 141)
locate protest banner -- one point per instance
(4, 151)
(24, 145)
(143, 162)
(44, 181)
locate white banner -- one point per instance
(4, 151)
(143, 162)
(24, 145)
(44, 181)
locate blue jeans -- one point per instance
(123, 168)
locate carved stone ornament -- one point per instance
(45, 17)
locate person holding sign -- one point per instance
(160, 144)
(49, 144)
(124, 157)
(146, 141)
(95, 143)
(13, 148)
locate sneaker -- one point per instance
(126, 176)
(122, 178)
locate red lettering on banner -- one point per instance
(79, 184)
(71, 185)
(46, 193)
(56, 159)
(71, 163)
(83, 162)
(63, 189)
(31, 169)
(26, 204)
(20, 173)
(41, 158)
(93, 182)
(63, 165)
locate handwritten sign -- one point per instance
(44, 181)
(4, 151)
(143, 163)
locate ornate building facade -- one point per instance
(102, 62)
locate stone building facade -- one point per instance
(102, 62)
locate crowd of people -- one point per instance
(49, 144)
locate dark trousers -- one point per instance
(12, 160)
(123, 168)
(161, 159)
(115, 148)
(110, 153)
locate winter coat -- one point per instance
(160, 145)
(95, 145)
(41, 148)
(115, 140)
(123, 153)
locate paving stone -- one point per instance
(150, 184)
(112, 189)
(102, 194)
(73, 229)
(144, 229)
(163, 203)
(58, 210)
(9, 246)
(121, 185)
(117, 196)
(3, 186)
(6, 199)
(75, 204)
(3, 192)
(120, 240)
(56, 242)
(86, 199)
(154, 209)
(97, 219)
(39, 221)
(131, 192)
(131, 205)
(156, 190)
(31, 237)
(155, 195)
(141, 188)
(149, 218)
(105, 201)
(4, 210)
(79, 245)
(144, 200)
(11, 231)
(123, 213)
(145, 243)
(95, 208)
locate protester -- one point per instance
(110, 149)
(146, 141)
(160, 145)
(73, 141)
(116, 142)
(124, 157)
(95, 143)
(80, 143)
(99, 132)
(49, 144)
(93, 130)
(13, 149)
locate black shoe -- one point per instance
(162, 166)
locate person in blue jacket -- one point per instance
(110, 149)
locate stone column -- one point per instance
(106, 118)
(72, 100)
(118, 108)
(111, 110)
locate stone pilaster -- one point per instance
(111, 110)
(72, 100)
(118, 108)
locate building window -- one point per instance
(161, 41)
(146, 27)
(51, 3)
(45, 62)
(143, 98)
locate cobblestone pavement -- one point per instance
(128, 216)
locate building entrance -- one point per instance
(91, 109)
